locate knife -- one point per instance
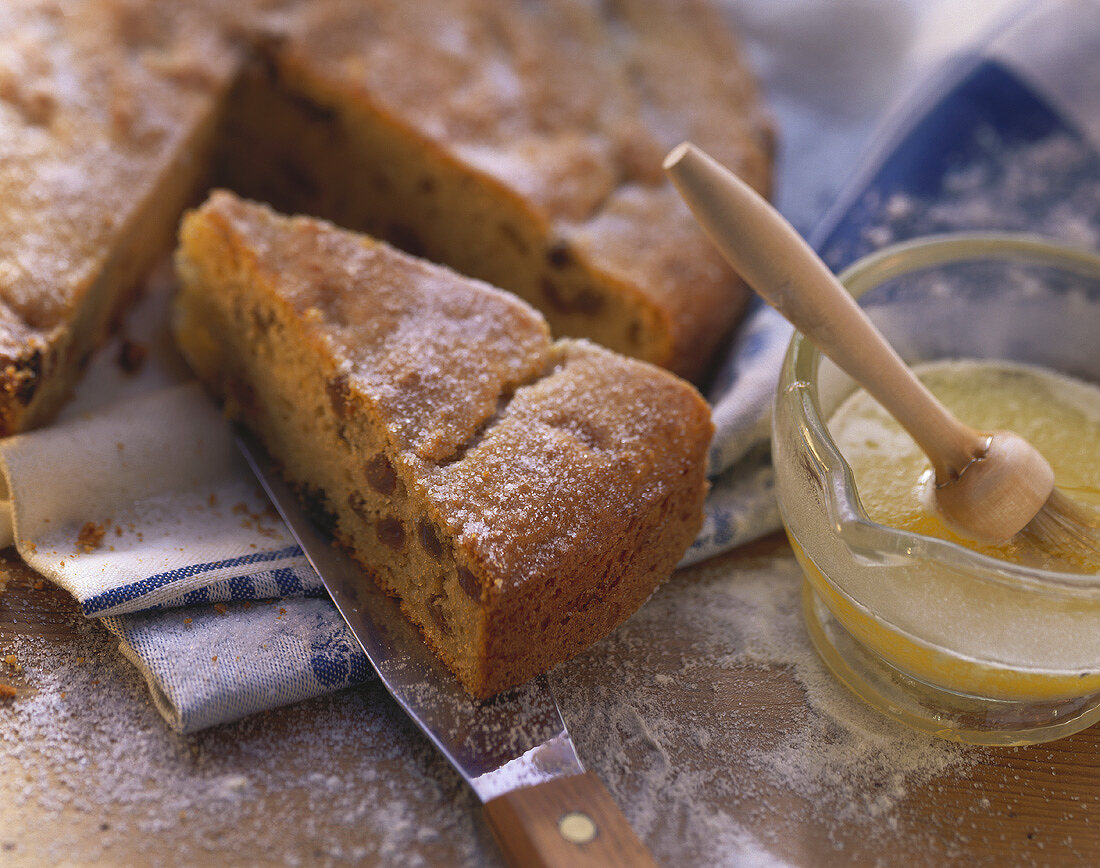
(514, 750)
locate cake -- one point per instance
(520, 496)
(520, 143)
(108, 112)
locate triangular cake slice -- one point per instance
(521, 497)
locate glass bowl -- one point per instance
(938, 636)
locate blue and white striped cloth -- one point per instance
(259, 576)
(214, 603)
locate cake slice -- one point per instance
(521, 497)
(520, 143)
(108, 111)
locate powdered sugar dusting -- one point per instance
(90, 774)
(718, 780)
(718, 731)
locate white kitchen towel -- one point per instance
(145, 512)
(189, 554)
(207, 665)
(147, 504)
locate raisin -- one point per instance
(358, 504)
(380, 474)
(262, 320)
(338, 394)
(429, 540)
(587, 301)
(131, 356)
(558, 254)
(27, 377)
(435, 607)
(469, 583)
(391, 533)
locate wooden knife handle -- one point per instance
(571, 821)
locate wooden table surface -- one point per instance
(750, 757)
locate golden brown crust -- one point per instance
(570, 464)
(431, 357)
(554, 518)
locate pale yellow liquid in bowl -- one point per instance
(1059, 415)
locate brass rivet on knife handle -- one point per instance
(577, 827)
(571, 821)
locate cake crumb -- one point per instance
(221, 609)
(131, 356)
(12, 661)
(90, 537)
(7, 691)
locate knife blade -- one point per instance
(514, 749)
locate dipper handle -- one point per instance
(784, 270)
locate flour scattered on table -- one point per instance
(89, 773)
(796, 744)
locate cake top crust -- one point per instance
(570, 105)
(566, 102)
(431, 351)
(571, 465)
(95, 98)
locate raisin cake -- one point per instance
(520, 143)
(107, 116)
(520, 496)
